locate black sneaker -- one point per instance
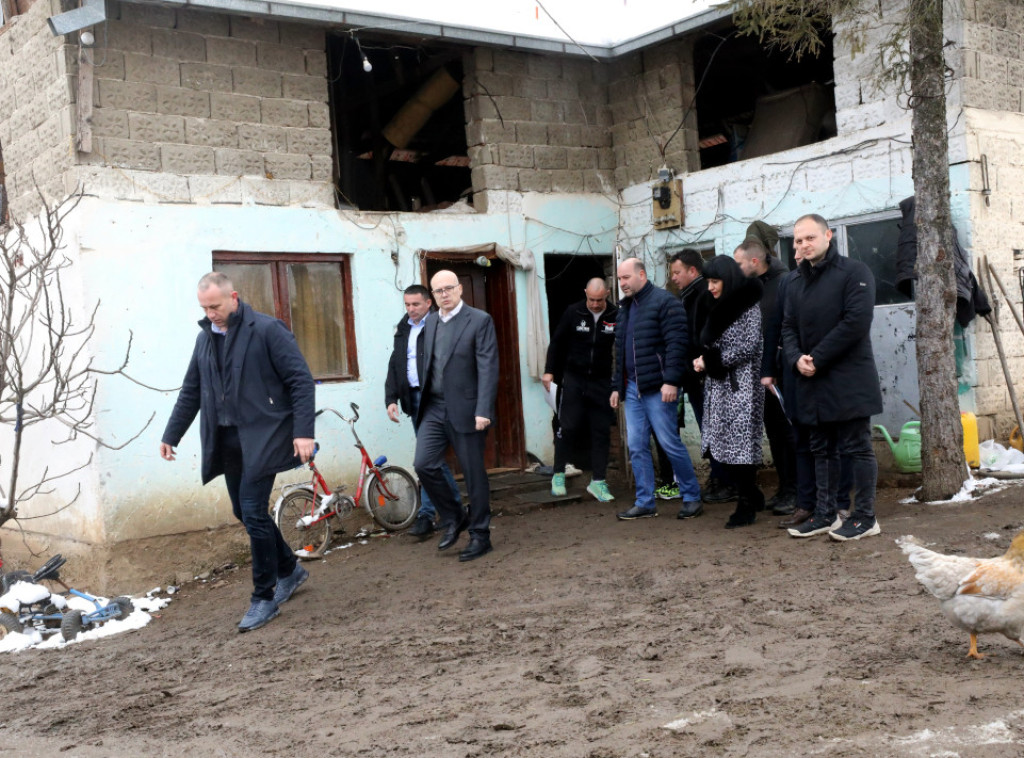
(634, 513)
(855, 528)
(782, 503)
(815, 525)
(719, 492)
(423, 527)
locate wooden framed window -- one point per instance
(311, 293)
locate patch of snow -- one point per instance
(695, 718)
(23, 593)
(993, 536)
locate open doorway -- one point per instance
(565, 278)
(492, 289)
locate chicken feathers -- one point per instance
(979, 595)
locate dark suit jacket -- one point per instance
(396, 385)
(471, 373)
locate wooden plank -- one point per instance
(85, 100)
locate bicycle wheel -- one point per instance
(398, 512)
(307, 540)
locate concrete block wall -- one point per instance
(36, 95)
(200, 107)
(537, 123)
(992, 51)
(648, 97)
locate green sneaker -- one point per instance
(558, 485)
(599, 489)
(668, 491)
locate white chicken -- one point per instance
(979, 595)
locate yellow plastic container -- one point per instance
(971, 450)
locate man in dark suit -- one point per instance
(460, 383)
(256, 400)
(402, 388)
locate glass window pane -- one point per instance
(874, 243)
(317, 301)
(786, 252)
(253, 282)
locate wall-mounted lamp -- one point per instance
(483, 261)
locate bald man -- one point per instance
(580, 362)
(459, 385)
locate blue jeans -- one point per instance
(644, 414)
(426, 504)
(271, 556)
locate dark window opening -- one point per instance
(311, 294)
(754, 101)
(399, 128)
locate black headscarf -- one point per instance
(728, 271)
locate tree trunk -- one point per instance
(942, 453)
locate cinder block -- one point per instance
(155, 127)
(528, 87)
(308, 88)
(483, 59)
(316, 63)
(109, 65)
(516, 156)
(490, 132)
(991, 13)
(109, 122)
(265, 192)
(238, 108)
(312, 194)
(560, 89)
(528, 133)
(148, 15)
(599, 181)
(567, 181)
(183, 102)
(606, 158)
(206, 77)
(230, 52)
(146, 68)
(510, 62)
(323, 168)
(593, 136)
(280, 166)
(288, 60)
(265, 139)
(319, 116)
(187, 159)
(279, 112)
(211, 133)
(214, 190)
(550, 157)
(992, 68)
(510, 108)
(161, 188)
(580, 158)
(544, 66)
(531, 180)
(239, 162)
(1015, 73)
(203, 22)
(256, 29)
(309, 141)
(990, 95)
(303, 36)
(127, 154)
(482, 155)
(494, 177)
(254, 81)
(546, 111)
(491, 84)
(578, 70)
(179, 46)
(138, 96)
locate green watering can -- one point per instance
(907, 451)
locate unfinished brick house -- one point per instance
(327, 160)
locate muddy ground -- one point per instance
(580, 636)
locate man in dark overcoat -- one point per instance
(460, 370)
(256, 402)
(826, 338)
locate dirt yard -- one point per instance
(580, 636)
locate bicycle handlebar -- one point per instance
(355, 413)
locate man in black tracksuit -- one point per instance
(580, 362)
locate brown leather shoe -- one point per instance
(799, 516)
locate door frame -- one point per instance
(501, 298)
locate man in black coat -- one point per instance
(650, 357)
(756, 262)
(579, 361)
(256, 400)
(826, 337)
(460, 372)
(402, 388)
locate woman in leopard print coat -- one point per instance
(731, 345)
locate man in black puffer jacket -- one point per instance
(650, 360)
(826, 337)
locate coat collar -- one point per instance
(724, 312)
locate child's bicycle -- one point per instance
(304, 512)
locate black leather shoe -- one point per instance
(782, 503)
(690, 509)
(451, 534)
(477, 547)
(737, 520)
(423, 527)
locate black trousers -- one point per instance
(434, 436)
(575, 412)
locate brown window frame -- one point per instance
(11, 8)
(278, 263)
